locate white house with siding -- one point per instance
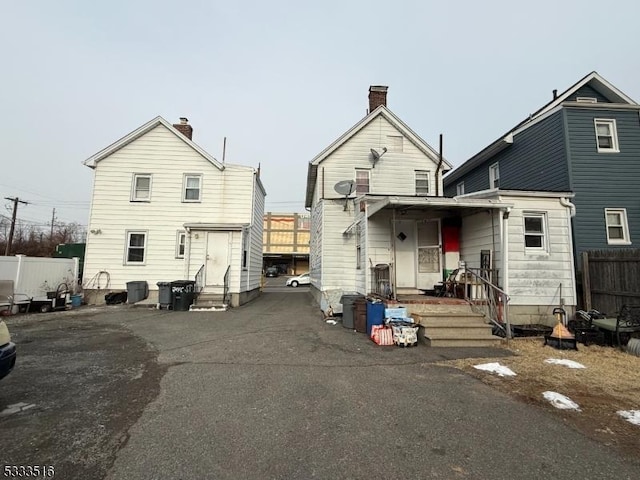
(163, 209)
(395, 234)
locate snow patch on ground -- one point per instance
(496, 368)
(632, 416)
(566, 363)
(560, 401)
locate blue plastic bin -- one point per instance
(375, 315)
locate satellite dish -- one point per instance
(344, 187)
(375, 155)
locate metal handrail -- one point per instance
(487, 299)
(199, 278)
(225, 300)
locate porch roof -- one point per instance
(438, 204)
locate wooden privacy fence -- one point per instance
(610, 279)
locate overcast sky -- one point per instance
(281, 79)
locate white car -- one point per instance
(299, 280)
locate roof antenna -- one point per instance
(224, 149)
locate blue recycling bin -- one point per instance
(375, 315)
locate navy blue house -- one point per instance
(585, 141)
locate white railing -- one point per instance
(486, 298)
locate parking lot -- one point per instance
(267, 390)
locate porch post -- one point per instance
(505, 268)
(393, 276)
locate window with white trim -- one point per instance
(535, 232)
(245, 249)
(606, 135)
(422, 182)
(192, 188)
(136, 247)
(362, 181)
(494, 176)
(460, 188)
(141, 188)
(181, 240)
(617, 226)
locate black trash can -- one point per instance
(183, 293)
(347, 302)
(165, 299)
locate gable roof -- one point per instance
(381, 111)
(139, 132)
(593, 79)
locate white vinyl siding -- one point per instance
(141, 188)
(534, 279)
(395, 143)
(422, 182)
(617, 226)
(362, 181)
(393, 174)
(135, 252)
(226, 198)
(192, 188)
(606, 135)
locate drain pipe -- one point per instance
(505, 268)
(438, 169)
(565, 202)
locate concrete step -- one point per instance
(435, 309)
(459, 331)
(464, 342)
(447, 319)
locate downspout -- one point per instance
(187, 253)
(565, 202)
(505, 267)
(438, 169)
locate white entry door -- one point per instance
(429, 254)
(406, 248)
(217, 259)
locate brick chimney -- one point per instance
(377, 96)
(184, 128)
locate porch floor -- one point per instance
(424, 299)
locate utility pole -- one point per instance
(15, 201)
(53, 219)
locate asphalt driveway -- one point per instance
(268, 390)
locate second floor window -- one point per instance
(460, 188)
(422, 183)
(494, 176)
(362, 181)
(141, 191)
(192, 187)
